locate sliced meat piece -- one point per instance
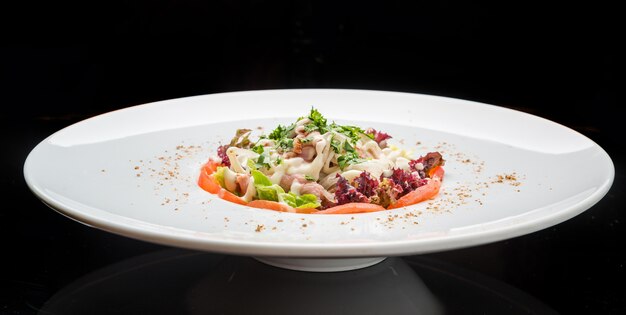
(287, 180)
(242, 181)
(317, 190)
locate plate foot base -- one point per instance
(320, 264)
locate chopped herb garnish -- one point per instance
(336, 145)
(309, 178)
(283, 137)
(318, 121)
(310, 127)
(281, 132)
(262, 163)
(348, 159)
(277, 133)
(258, 149)
(352, 132)
(348, 147)
(285, 144)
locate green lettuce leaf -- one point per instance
(260, 179)
(219, 175)
(271, 193)
(301, 202)
(264, 188)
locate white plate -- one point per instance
(133, 172)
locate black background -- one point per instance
(556, 60)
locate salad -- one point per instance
(313, 166)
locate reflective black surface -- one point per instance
(175, 281)
(558, 61)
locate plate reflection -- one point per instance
(187, 282)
